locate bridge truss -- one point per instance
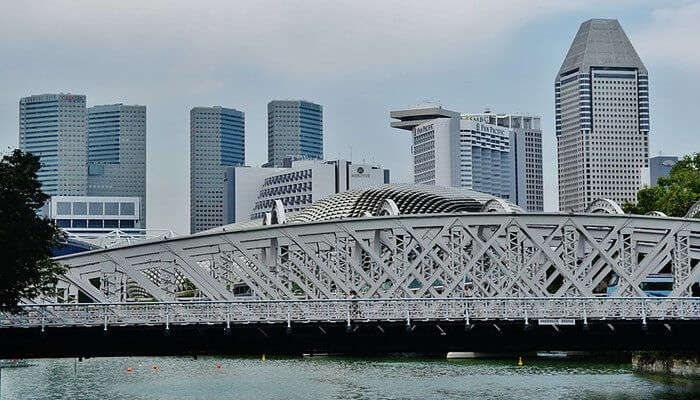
(428, 256)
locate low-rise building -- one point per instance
(660, 166)
(85, 215)
(250, 192)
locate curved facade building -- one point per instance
(408, 198)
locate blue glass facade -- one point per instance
(232, 128)
(294, 131)
(310, 130)
(103, 134)
(39, 136)
(52, 126)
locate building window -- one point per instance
(96, 208)
(111, 208)
(79, 208)
(63, 208)
(126, 208)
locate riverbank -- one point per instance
(679, 364)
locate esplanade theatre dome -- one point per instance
(400, 199)
(390, 199)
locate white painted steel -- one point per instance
(339, 311)
(453, 255)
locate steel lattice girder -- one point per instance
(408, 256)
(583, 309)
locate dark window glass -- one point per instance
(111, 208)
(79, 208)
(126, 208)
(63, 208)
(96, 208)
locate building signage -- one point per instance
(477, 118)
(488, 128)
(360, 172)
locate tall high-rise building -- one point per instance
(117, 153)
(601, 98)
(54, 127)
(498, 154)
(217, 140)
(294, 130)
(525, 155)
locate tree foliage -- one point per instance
(26, 239)
(673, 195)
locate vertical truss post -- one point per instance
(681, 263)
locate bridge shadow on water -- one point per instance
(359, 338)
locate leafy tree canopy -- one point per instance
(26, 239)
(673, 195)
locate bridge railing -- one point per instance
(304, 311)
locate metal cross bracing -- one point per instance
(481, 255)
(529, 310)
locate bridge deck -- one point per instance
(422, 326)
(348, 310)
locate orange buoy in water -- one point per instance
(218, 366)
(129, 369)
(155, 367)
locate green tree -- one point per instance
(673, 195)
(26, 239)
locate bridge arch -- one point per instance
(604, 206)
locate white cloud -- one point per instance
(672, 37)
(295, 37)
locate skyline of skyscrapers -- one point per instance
(601, 123)
(601, 117)
(117, 153)
(86, 154)
(217, 140)
(294, 130)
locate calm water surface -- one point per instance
(330, 378)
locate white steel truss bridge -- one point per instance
(489, 255)
(378, 277)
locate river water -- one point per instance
(330, 378)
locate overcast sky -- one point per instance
(359, 59)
